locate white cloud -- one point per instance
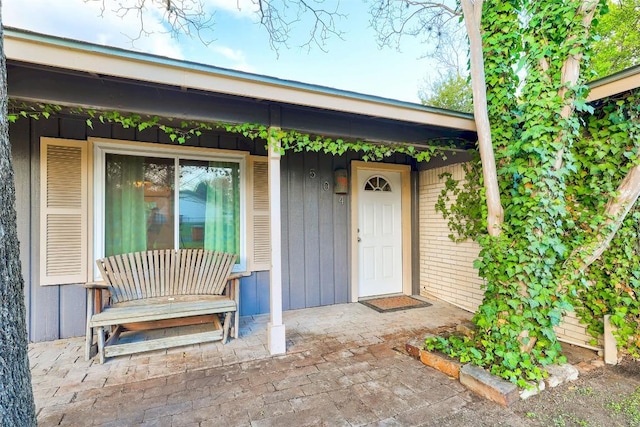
(230, 54)
(81, 20)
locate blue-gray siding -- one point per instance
(314, 232)
(315, 222)
(59, 311)
(315, 226)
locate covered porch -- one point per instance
(343, 364)
(308, 230)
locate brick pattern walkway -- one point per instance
(342, 367)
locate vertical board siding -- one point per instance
(99, 130)
(55, 312)
(311, 233)
(325, 232)
(264, 293)
(314, 232)
(72, 128)
(341, 227)
(295, 250)
(284, 230)
(248, 296)
(73, 310)
(228, 142)
(254, 294)
(125, 134)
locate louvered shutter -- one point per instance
(259, 224)
(63, 211)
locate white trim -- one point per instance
(98, 206)
(623, 81)
(276, 329)
(103, 146)
(176, 204)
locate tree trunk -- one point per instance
(472, 11)
(571, 71)
(16, 397)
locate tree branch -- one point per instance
(570, 72)
(279, 22)
(188, 17)
(393, 19)
(616, 211)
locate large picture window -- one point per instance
(169, 200)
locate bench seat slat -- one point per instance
(144, 313)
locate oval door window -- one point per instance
(377, 183)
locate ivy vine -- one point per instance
(180, 131)
(550, 211)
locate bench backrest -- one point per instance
(162, 273)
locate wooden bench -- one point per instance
(158, 289)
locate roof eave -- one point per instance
(74, 55)
(614, 84)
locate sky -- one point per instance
(238, 42)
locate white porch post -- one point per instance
(276, 331)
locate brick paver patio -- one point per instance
(343, 367)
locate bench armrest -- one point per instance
(96, 285)
(95, 297)
(239, 275)
(233, 286)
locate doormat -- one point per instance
(397, 303)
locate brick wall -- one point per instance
(571, 331)
(446, 267)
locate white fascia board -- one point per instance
(145, 69)
(613, 86)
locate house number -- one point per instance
(325, 186)
(341, 200)
(312, 173)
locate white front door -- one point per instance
(379, 233)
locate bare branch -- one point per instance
(279, 17)
(451, 51)
(187, 17)
(394, 19)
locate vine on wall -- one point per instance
(180, 131)
(603, 151)
(560, 161)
